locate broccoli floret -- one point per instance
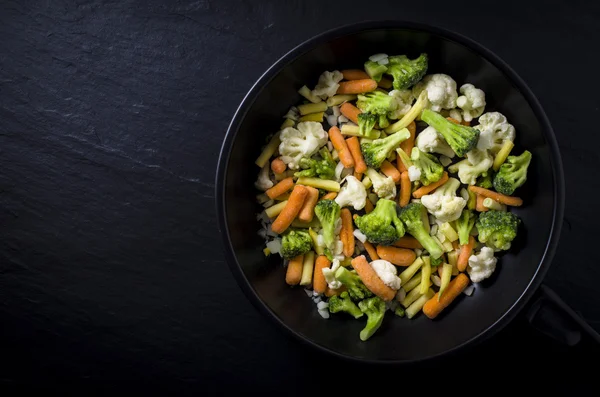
(382, 225)
(375, 102)
(497, 229)
(374, 308)
(428, 164)
(355, 287)
(328, 212)
(415, 219)
(375, 70)
(464, 224)
(323, 167)
(343, 303)
(366, 122)
(377, 151)
(485, 180)
(461, 138)
(407, 72)
(294, 243)
(513, 173)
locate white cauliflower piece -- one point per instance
(387, 273)
(383, 186)
(441, 91)
(482, 265)
(328, 84)
(414, 173)
(329, 274)
(472, 102)
(292, 114)
(456, 115)
(402, 102)
(264, 182)
(352, 193)
(431, 141)
(443, 202)
(494, 131)
(303, 141)
(476, 163)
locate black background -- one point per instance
(112, 113)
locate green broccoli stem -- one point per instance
(375, 309)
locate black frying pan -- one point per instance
(495, 301)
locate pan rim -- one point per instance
(307, 45)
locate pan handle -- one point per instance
(550, 315)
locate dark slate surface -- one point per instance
(112, 113)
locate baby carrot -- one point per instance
(346, 234)
(397, 256)
(433, 307)
(389, 170)
(340, 145)
(350, 111)
(453, 120)
(283, 186)
(371, 280)
(371, 250)
(465, 253)
(423, 190)
(385, 83)
(329, 196)
(408, 242)
(479, 203)
(278, 166)
(369, 207)
(404, 189)
(291, 209)
(408, 144)
(359, 162)
(319, 282)
(308, 208)
(501, 198)
(467, 123)
(354, 74)
(357, 86)
(294, 270)
(357, 175)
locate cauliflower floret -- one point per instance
(329, 274)
(476, 163)
(443, 203)
(263, 182)
(431, 141)
(441, 91)
(383, 186)
(414, 173)
(472, 101)
(292, 114)
(303, 141)
(482, 265)
(352, 193)
(456, 115)
(494, 131)
(402, 103)
(387, 273)
(328, 84)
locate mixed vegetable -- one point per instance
(397, 166)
